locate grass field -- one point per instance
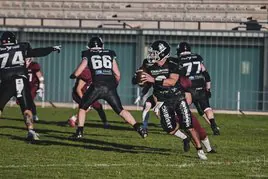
(119, 152)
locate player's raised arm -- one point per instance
(40, 52)
(79, 69)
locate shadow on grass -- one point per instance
(41, 131)
(89, 123)
(93, 144)
(56, 123)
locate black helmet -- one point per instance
(95, 42)
(158, 50)
(8, 38)
(183, 47)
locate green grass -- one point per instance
(119, 152)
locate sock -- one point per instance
(212, 122)
(199, 148)
(180, 134)
(79, 130)
(206, 143)
(30, 130)
(145, 118)
(136, 126)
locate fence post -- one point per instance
(138, 94)
(238, 101)
(43, 100)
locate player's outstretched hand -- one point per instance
(57, 48)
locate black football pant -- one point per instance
(107, 93)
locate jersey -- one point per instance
(86, 77)
(100, 64)
(33, 68)
(190, 66)
(163, 93)
(12, 60)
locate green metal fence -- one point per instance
(237, 61)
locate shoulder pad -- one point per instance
(112, 52)
(83, 53)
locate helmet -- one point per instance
(95, 42)
(8, 38)
(159, 50)
(183, 47)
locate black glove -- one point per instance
(57, 48)
(72, 76)
(208, 93)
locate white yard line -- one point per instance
(104, 165)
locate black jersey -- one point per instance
(100, 63)
(163, 72)
(12, 59)
(190, 66)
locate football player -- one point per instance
(150, 104)
(105, 78)
(14, 77)
(36, 80)
(161, 71)
(83, 81)
(192, 66)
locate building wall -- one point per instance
(235, 60)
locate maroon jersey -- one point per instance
(86, 77)
(33, 68)
(185, 82)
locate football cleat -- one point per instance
(186, 144)
(215, 130)
(145, 132)
(106, 125)
(76, 136)
(212, 151)
(141, 131)
(201, 155)
(32, 136)
(35, 118)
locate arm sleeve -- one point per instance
(39, 52)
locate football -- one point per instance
(140, 74)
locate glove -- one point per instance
(208, 93)
(57, 48)
(41, 90)
(137, 100)
(72, 76)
